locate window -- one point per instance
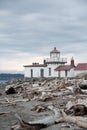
(31, 73)
(66, 73)
(49, 71)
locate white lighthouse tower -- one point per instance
(54, 61)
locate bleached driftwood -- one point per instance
(9, 102)
(38, 124)
(56, 118)
(77, 110)
(39, 108)
(15, 101)
(78, 120)
(50, 119)
(27, 125)
(6, 112)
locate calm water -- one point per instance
(3, 81)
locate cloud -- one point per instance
(29, 30)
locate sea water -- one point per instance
(3, 81)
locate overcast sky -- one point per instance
(30, 29)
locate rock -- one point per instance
(11, 90)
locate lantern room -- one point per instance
(54, 55)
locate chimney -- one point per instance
(72, 62)
(44, 61)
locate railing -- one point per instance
(56, 60)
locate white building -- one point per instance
(54, 67)
(66, 70)
(80, 68)
(47, 69)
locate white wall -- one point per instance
(36, 71)
(70, 73)
(53, 72)
(27, 72)
(62, 73)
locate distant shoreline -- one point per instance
(5, 76)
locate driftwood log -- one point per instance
(80, 121)
(27, 126)
(39, 108)
(77, 110)
(58, 117)
(5, 112)
(38, 124)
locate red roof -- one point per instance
(81, 66)
(63, 67)
(55, 50)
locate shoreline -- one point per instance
(32, 93)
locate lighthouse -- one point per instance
(55, 58)
(47, 69)
(53, 62)
(54, 55)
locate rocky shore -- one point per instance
(32, 104)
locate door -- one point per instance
(42, 72)
(66, 73)
(59, 74)
(31, 73)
